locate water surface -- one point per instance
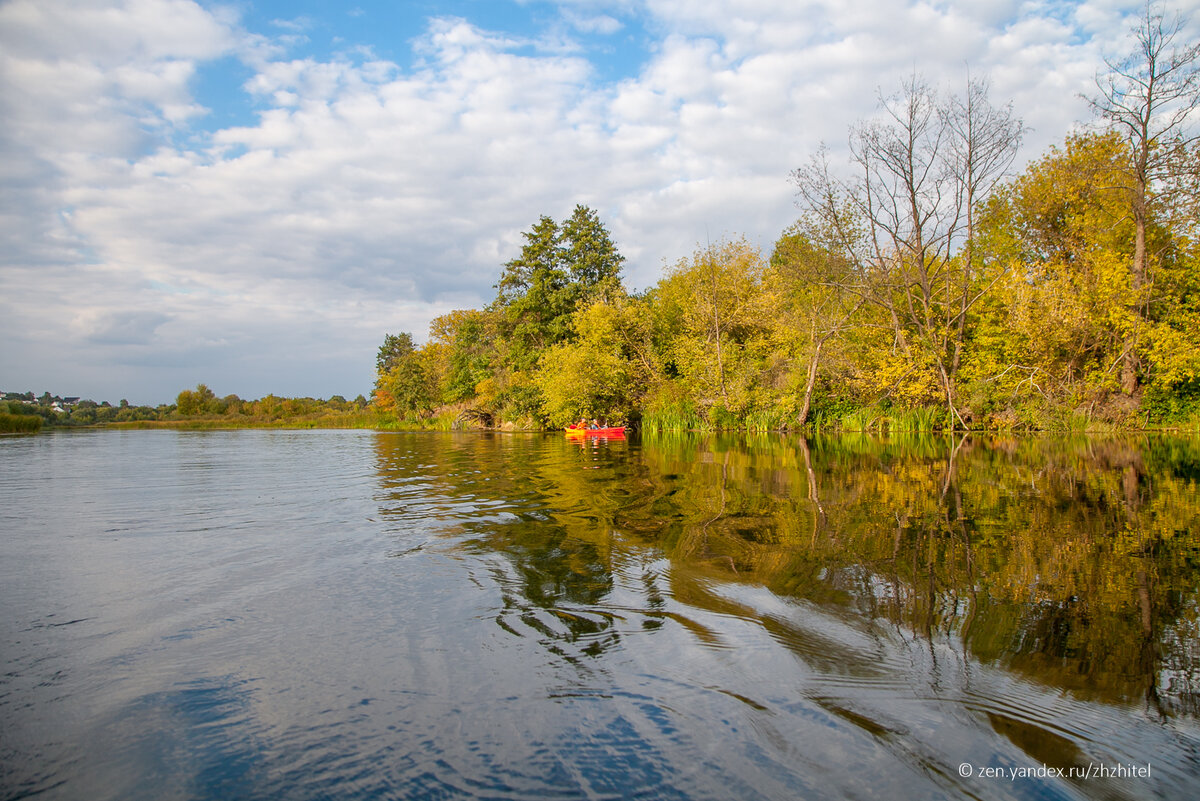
(266, 614)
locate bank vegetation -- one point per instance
(924, 285)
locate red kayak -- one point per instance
(610, 431)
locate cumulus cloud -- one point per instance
(367, 197)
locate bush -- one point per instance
(1172, 405)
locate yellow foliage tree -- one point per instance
(587, 377)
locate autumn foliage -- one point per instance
(924, 285)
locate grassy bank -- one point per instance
(234, 423)
(875, 420)
(364, 419)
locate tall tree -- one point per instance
(1066, 308)
(904, 221)
(394, 348)
(401, 384)
(983, 141)
(461, 347)
(1149, 97)
(533, 302)
(591, 256)
(540, 265)
(816, 307)
(558, 268)
(719, 306)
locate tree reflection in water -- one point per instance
(1072, 562)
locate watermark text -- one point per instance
(1092, 770)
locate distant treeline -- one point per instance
(193, 408)
(925, 286)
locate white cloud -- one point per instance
(297, 25)
(367, 198)
(598, 23)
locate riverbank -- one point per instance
(877, 420)
(880, 427)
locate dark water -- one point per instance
(312, 615)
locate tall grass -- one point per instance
(859, 420)
(1191, 426)
(884, 421)
(345, 420)
(763, 420)
(923, 418)
(19, 423)
(441, 422)
(673, 417)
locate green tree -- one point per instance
(534, 298)
(395, 347)
(559, 269)
(590, 254)
(461, 352)
(403, 387)
(201, 400)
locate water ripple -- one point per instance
(359, 615)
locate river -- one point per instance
(362, 615)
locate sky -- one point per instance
(252, 194)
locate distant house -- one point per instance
(70, 401)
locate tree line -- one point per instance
(922, 285)
(199, 407)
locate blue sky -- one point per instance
(251, 194)
(611, 39)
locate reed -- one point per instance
(20, 423)
(764, 420)
(859, 420)
(922, 418)
(673, 417)
(349, 420)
